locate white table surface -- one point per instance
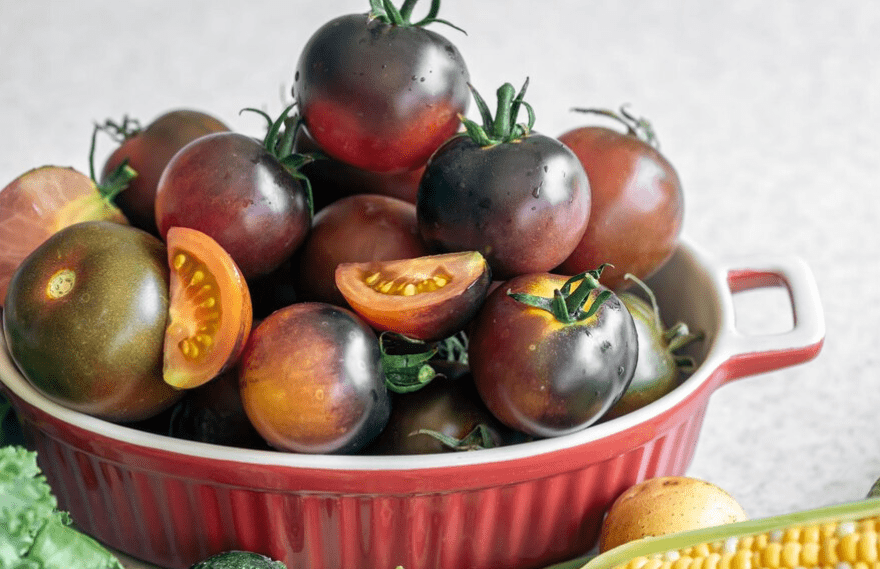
(769, 110)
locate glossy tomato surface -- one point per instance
(85, 320)
(40, 202)
(210, 313)
(426, 298)
(524, 205)
(311, 380)
(228, 186)
(359, 228)
(545, 377)
(148, 151)
(638, 205)
(377, 96)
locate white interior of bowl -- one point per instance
(689, 289)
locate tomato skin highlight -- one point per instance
(210, 314)
(85, 321)
(524, 205)
(543, 377)
(311, 380)
(378, 96)
(638, 206)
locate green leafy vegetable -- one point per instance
(34, 533)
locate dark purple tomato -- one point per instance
(380, 95)
(230, 187)
(545, 373)
(638, 204)
(148, 151)
(85, 319)
(523, 205)
(311, 380)
(358, 228)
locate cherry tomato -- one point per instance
(148, 151)
(659, 368)
(39, 203)
(85, 320)
(426, 298)
(549, 355)
(210, 314)
(311, 380)
(520, 198)
(638, 204)
(362, 227)
(379, 92)
(231, 187)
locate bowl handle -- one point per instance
(759, 353)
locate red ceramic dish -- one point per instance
(173, 502)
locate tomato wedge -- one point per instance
(210, 312)
(427, 298)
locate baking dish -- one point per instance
(172, 502)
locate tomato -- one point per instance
(39, 203)
(520, 198)
(311, 380)
(551, 355)
(85, 320)
(638, 204)
(426, 298)
(210, 314)
(332, 180)
(231, 187)
(148, 151)
(379, 92)
(659, 368)
(449, 405)
(363, 227)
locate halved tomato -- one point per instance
(427, 298)
(210, 312)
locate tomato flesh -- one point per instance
(427, 298)
(210, 313)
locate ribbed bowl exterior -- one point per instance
(175, 519)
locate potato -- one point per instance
(664, 505)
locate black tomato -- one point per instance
(358, 228)
(380, 93)
(520, 198)
(311, 380)
(85, 319)
(237, 191)
(638, 204)
(148, 150)
(550, 356)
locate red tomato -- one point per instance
(379, 93)
(210, 313)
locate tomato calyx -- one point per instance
(503, 127)
(478, 439)
(119, 178)
(386, 11)
(676, 336)
(639, 127)
(569, 306)
(406, 361)
(279, 142)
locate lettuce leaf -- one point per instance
(34, 533)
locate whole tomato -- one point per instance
(520, 198)
(550, 355)
(85, 320)
(379, 92)
(638, 203)
(148, 150)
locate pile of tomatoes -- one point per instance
(377, 274)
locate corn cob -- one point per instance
(844, 536)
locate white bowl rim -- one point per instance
(716, 355)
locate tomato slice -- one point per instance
(210, 311)
(427, 298)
